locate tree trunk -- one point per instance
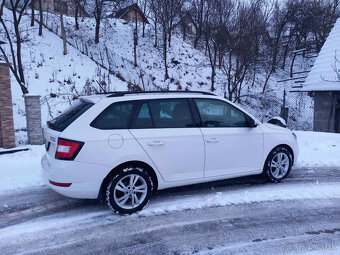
(40, 18)
(96, 39)
(267, 80)
(143, 33)
(213, 78)
(76, 16)
(20, 66)
(135, 40)
(63, 33)
(229, 78)
(156, 38)
(165, 53)
(32, 14)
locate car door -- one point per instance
(165, 129)
(231, 146)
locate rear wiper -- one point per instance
(51, 125)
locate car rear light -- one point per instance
(67, 149)
(60, 184)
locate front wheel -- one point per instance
(129, 191)
(278, 164)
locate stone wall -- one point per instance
(325, 104)
(7, 137)
(33, 119)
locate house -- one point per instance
(129, 14)
(67, 7)
(186, 25)
(323, 84)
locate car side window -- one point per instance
(143, 119)
(170, 113)
(116, 116)
(217, 113)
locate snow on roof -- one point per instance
(323, 75)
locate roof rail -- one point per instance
(123, 93)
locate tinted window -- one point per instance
(143, 119)
(65, 119)
(216, 113)
(116, 116)
(170, 113)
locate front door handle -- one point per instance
(212, 140)
(155, 143)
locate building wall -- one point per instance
(325, 111)
(130, 16)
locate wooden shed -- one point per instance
(129, 14)
(323, 84)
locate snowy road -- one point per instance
(240, 216)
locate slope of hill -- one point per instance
(189, 68)
(53, 76)
(57, 78)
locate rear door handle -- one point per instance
(212, 140)
(155, 143)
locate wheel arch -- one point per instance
(286, 146)
(134, 163)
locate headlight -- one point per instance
(294, 136)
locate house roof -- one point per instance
(325, 73)
(121, 13)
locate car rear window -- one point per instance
(116, 116)
(65, 119)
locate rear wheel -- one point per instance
(129, 191)
(278, 164)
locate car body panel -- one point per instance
(186, 158)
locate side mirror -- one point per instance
(278, 121)
(252, 123)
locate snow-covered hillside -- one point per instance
(57, 78)
(48, 71)
(189, 68)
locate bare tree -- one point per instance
(135, 38)
(32, 12)
(164, 13)
(197, 11)
(100, 11)
(12, 35)
(79, 6)
(63, 33)
(40, 18)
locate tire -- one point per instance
(278, 165)
(124, 198)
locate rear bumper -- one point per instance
(85, 178)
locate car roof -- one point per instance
(143, 93)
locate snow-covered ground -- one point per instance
(282, 192)
(318, 149)
(22, 169)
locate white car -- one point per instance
(124, 146)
